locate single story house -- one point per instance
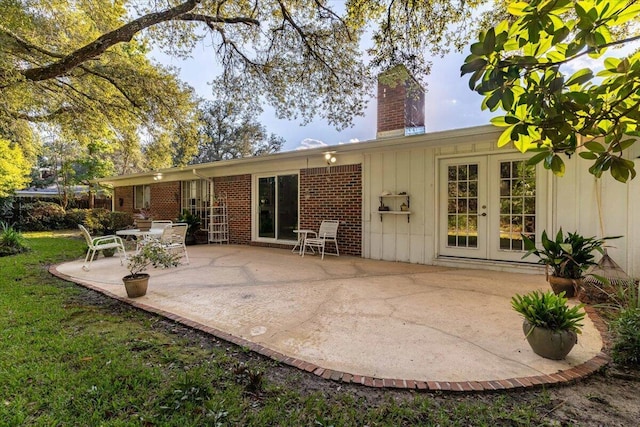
(444, 198)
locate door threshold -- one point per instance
(489, 264)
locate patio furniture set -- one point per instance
(171, 236)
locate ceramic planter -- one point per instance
(549, 344)
(559, 284)
(136, 286)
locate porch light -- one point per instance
(329, 157)
(157, 176)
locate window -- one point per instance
(141, 197)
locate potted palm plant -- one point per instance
(567, 257)
(550, 325)
(137, 281)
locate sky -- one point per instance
(450, 104)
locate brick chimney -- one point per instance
(400, 104)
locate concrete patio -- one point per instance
(356, 320)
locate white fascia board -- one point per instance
(308, 158)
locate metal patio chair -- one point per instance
(96, 244)
(174, 237)
(328, 233)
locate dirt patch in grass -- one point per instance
(608, 398)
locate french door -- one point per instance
(277, 207)
(487, 203)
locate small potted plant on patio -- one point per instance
(137, 281)
(143, 219)
(566, 256)
(550, 325)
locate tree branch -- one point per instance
(210, 20)
(123, 34)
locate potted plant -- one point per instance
(136, 282)
(550, 325)
(193, 225)
(566, 256)
(143, 220)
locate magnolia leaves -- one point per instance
(521, 66)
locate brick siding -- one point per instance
(334, 193)
(391, 107)
(238, 191)
(165, 200)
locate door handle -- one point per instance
(483, 214)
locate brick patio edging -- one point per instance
(570, 375)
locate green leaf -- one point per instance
(507, 99)
(557, 165)
(595, 146)
(534, 160)
(588, 155)
(580, 77)
(475, 65)
(489, 43)
(505, 137)
(517, 8)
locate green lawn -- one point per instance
(71, 357)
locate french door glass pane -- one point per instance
(517, 204)
(462, 206)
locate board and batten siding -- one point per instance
(412, 170)
(571, 203)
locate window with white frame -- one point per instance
(142, 197)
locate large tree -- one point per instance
(521, 66)
(302, 56)
(230, 130)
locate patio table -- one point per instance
(302, 237)
(138, 235)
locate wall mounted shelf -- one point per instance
(394, 209)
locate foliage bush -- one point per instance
(626, 346)
(103, 221)
(73, 217)
(41, 216)
(96, 220)
(11, 241)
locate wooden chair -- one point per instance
(328, 232)
(96, 244)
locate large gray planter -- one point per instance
(549, 344)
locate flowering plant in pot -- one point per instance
(550, 325)
(137, 281)
(567, 256)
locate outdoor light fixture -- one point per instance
(329, 157)
(157, 176)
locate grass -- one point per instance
(75, 358)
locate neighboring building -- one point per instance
(466, 201)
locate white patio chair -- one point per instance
(174, 237)
(96, 244)
(158, 226)
(328, 232)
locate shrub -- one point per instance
(11, 241)
(118, 221)
(97, 220)
(39, 216)
(73, 217)
(626, 329)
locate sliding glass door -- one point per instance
(277, 210)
